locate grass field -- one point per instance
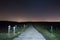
(10, 36)
(57, 34)
(48, 35)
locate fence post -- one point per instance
(24, 25)
(14, 29)
(9, 27)
(51, 29)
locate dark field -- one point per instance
(38, 25)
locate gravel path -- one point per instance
(30, 34)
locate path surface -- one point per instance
(30, 34)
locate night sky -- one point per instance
(29, 10)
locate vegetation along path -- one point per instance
(30, 34)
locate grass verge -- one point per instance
(10, 36)
(46, 33)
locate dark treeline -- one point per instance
(4, 24)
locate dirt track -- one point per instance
(30, 34)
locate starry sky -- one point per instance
(30, 10)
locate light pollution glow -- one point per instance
(31, 20)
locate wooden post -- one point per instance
(9, 27)
(24, 25)
(14, 29)
(51, 29)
